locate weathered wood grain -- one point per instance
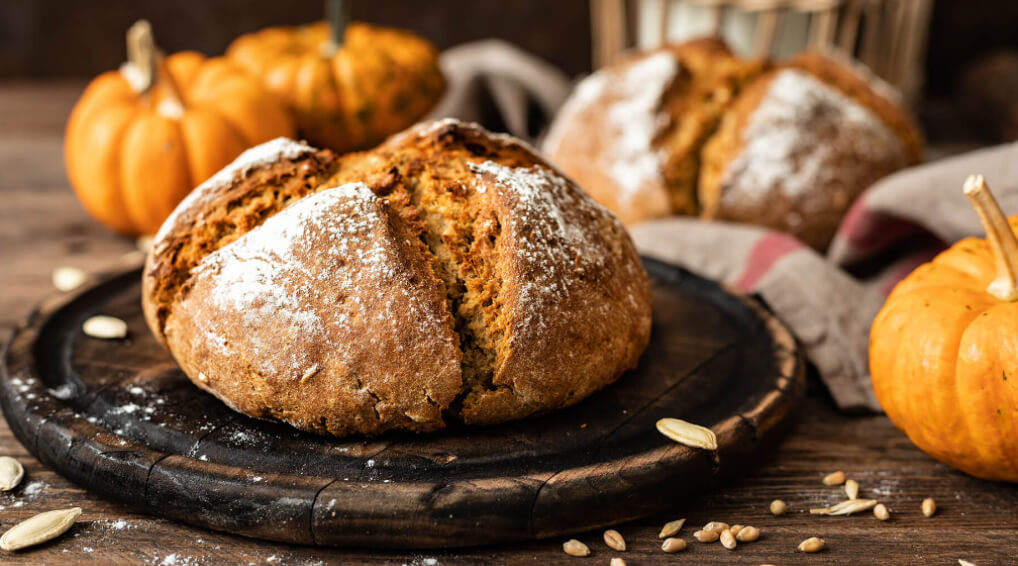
(977, 520)
(118, 417)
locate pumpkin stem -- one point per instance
(141, 57)
(337, 13)
(147, 66)
(1000, 236)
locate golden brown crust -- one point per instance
(796, 149)
(592, 137)
(866, 91)
(703, 114)
(524, 296)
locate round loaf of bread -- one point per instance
(691, 129)
(799, 145)
(447, 274)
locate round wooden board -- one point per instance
(119, 418)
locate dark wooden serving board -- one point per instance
(119, 418)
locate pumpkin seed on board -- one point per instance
(11, 472)
(107, 327)
(689, 434)
(40, 528)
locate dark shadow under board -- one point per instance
(119, 418)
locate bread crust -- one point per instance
(703, 148)
(495, 288)
(799, 146)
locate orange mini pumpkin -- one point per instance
(944, 349)
(141, 138)
(349, 92)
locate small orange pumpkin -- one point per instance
(944, 349)
(348, 92)
(141, 138)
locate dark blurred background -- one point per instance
(79, 39)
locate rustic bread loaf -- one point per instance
(447, 274)
(692, 129)
(630, 133)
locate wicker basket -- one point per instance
(889, 36)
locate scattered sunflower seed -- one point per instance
(881, 512)
(965, 563)
(617, 562)
(728, 539)
(748, 534)
(107, 327)
(835, 478)
(68, 278)
(812, 544)
(735, 529)
(847, 507)
(778, 507)
(689, 434)
(852, 489)
(40, 528)
(671, 527)
(706, 536)
(672, 544)
(716, 526)
(929, 507)
(11, 472)
(614, 540)
(573, 547)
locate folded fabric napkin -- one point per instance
(827, 301)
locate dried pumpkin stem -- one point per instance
(141, 54)
(150, 66)
(337, 12)
(1000, 236)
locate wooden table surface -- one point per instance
(43, 227)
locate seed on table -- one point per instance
(965, 562)
(689, 434)
(573, 547)
(11, 472)
(716, 526)
(748, 534)
(735, 529)
(671, 527)
(835, 478)
(706, 536)
(40, 528)
(812, 544)
(728, 539)
(614, 540)
(778, 507)
(929, 507)
(672, 544)
(852, 489)
(67, 279)
(617, 562)
(847, 507)
(881, 512)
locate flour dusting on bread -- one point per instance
(268, 152)
(266, 274)
(558, 235)
(805, 133)
(634, 118)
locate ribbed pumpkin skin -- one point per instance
(944, 362)
(131, 158)
(378, 83)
